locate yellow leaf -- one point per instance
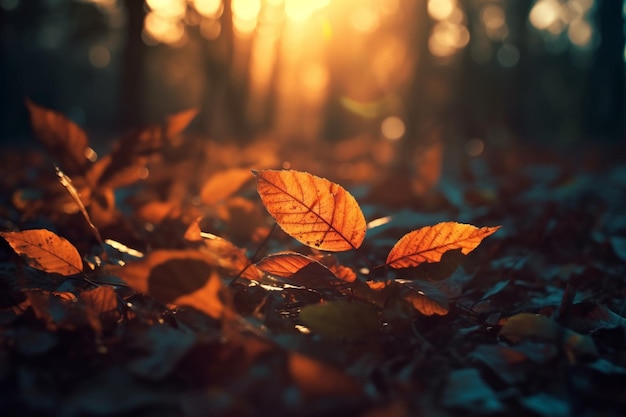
(313, 210)
(429, 243)
(44, 250)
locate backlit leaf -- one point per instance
(44, 250)
(284, 264)
(223, 184)
(427, 305)
(65, 140)
(429, 243)
(313, 210)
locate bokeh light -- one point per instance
(301, 10)
(209, 8)
(99, 56)
(393, 128)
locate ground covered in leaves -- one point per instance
(186, 299)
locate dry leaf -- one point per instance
(230, 258)
(44, 250)
(313, 210)
(97, 302)
(223, 184)
(207, 299)
(316, 379)
(425, 305)
(283, 264)
(429, 243)
(65, 140)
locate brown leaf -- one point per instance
(65, 140)
(425, 305)
(223, 184)
(227, 256)
(167, 274)
(98, 302)
(44, 250)
(207, 299)
(126, 162)
(101, 299)
(313, 210)
(429, 243)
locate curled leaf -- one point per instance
(46, 251)
(313, 210)
(429, 243)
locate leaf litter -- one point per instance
(224, 314)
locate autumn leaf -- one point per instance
(180, 277)
(429, 243)
(228, 257)
(284, 264)
(126, 162)
(422, 296)
(528, 326)
(44, 250)
(65, 140)
(341, 319)
(223, 184)
(207, 299)
(313, 210)
(98, 302)
(319, 380)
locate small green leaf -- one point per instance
(341, 319)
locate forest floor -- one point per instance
(166, 321)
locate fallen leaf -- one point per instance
(429, 243)
(126, 162)
(465, 389)
(527, 326)
(230, 258)
(319, 380)
(223, 184)
(207, 299)
(341, 319)
(65, 140)
(168, 274)
(313, 210)
(284, 264)
(44, 250)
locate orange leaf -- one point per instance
(100, 299)
(223, 184)
(65, 140)
(316, 379)
(207, 299)
(424, 304)
(313, 210)
(177, 122)
(284, 264)
(44, 250)
(429, 243)
(227, 256)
